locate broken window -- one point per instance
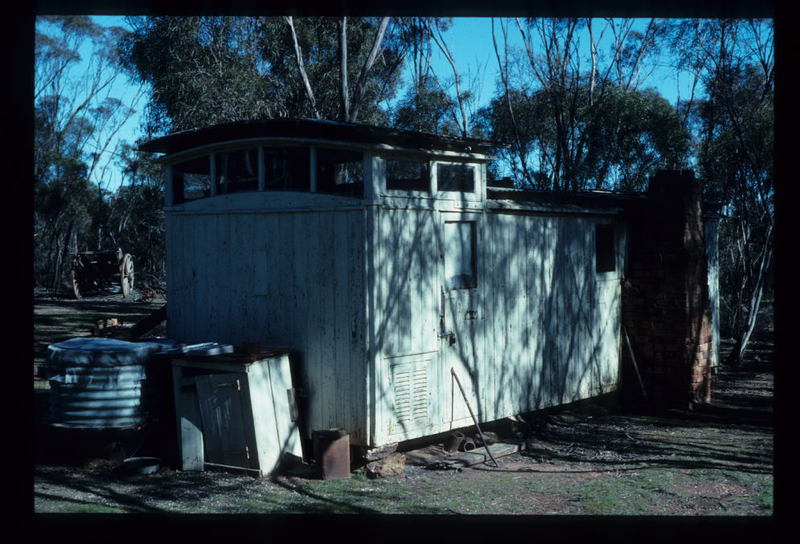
(191, 179)
(407, 175)
(460, 270)
(340, 171)
(237, 171)
(605, 254)
(286, 169)
(456, 177)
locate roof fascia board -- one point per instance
(509, 206)
(255, 142)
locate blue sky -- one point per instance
(470, 42)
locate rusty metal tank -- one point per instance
(332, 453)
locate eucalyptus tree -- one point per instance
(208, 70)
(76, 117)
(135, 219)
(627, 135)
(733, 61)
(577, 71)
(200, 70)
(427, 107)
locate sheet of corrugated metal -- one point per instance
(97, 382)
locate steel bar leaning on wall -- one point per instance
(483, 438)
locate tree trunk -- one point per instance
(504, 78)
(462, 122)
(301, 67)
(344, 91)
(362, 78)
(743, 336)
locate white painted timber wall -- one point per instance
(355, 287)
(403, 306)
(540, 329)
(553, 321)
(281, 269)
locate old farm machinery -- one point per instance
(94, 271)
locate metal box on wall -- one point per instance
(235, 410)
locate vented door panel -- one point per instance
(410, 386)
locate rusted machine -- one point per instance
(95, 271)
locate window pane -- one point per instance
(237, 171)
(456, 177)
(459, 255)
(192, 179)
(287, 169)
(340, 171)
(604, 248)
(407, 175)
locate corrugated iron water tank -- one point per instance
(98, 382)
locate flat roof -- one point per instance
(315, 129)
(589, 198)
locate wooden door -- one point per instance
(228, 432)
(460, 317)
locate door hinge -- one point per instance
(237, 384)
(245, 451)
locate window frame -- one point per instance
(403, 192)
(315, 183)
(177, 189)
(473, 245)
(222, 188)
(477, 188)
(601, 262)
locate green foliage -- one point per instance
(136, 216)
(617, 139)
(426, 108)
(74, 118)
(201, 70)
(736, 161)
(737, 123)
(208, 70)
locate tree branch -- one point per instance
(345, 93)
(301, 67)
(443, 47)
(504, 77)
(362, 78)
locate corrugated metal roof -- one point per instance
(593, 198)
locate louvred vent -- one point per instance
(410, 393)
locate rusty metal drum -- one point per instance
(332, 453)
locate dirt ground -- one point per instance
(587, 458)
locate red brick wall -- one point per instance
(665, 308)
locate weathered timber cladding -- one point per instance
(553, 320)
(541, 327)
(307, 297)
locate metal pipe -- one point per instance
(474, 419)
(468, 444)
(454, 441)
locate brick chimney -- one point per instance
(665, 305)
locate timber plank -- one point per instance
(469, 458)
